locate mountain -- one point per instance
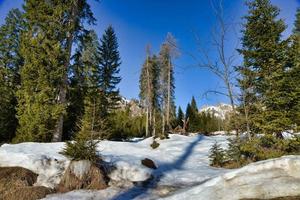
(219, 111)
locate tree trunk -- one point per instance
(169, 94)
(57, 136)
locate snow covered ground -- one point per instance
(183, 171)
(182, 162)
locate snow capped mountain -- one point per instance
(220, 110)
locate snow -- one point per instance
(183, 171)
(266, 179)
(219, 111)
(43, 159)
(182, 162)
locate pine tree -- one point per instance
(10, 64)
(217, 155)
(180, 117)
(263, 53)
(167, 53)
(293, 74)
(193, 115)
(76, 14)
(38, 110)
(150, 92)
(109, 70)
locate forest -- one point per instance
(59, 82)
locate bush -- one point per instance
(154, 144)
(81, 150)
(217, 155)
(240, 153)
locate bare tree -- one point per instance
(223, 64)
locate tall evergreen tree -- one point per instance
(167, 53)
(109, 69)
(149, 92)
(10, 64)
(93, 122)
(179, 117)
(76, 14)
(263, 52)
(38, 110)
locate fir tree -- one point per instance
(38, 110)
(180, 117)
(193, 115)
(10, 64)
(263, 53)
(217, 155)
(150, 92)
(109, 69)
(76, 14)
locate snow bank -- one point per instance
(266, 179)
(41, 158)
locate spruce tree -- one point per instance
(76, 14)
(193, 115)
(93, 121)
(109, 70)
(180, 117)
(41, 48)
(10, 63)
(150, 92)
(263, 52)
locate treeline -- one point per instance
(57, 78)
(269, 77)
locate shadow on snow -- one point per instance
(159, 173)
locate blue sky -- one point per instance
(141, 22)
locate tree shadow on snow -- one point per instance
(163, 169)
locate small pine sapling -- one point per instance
(217, 155)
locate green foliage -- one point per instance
(217, 155)
(233, 151)
(154, 144)
(10, 64)
(81, 150)
(38, 110)
(180, 117)
(109, 66)
(265, 84)
(125, 125)
(242, 152)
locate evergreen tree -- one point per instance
(93, 121)
(150, 92)
(193, 115)
(109, 70)
(10, 64)
(38, 110)
(263, 52)
(180, 117)
(167, 53)
(76, 13)
(293, 74)
(297, 23)
(217, 155)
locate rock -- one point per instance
(17, 183)
(83, 175)
(14, 177)
(149, 163)
(27, 193)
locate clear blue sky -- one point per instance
(141, 22)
